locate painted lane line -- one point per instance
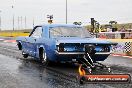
(125, 56)
(130, 57)
(12, 41)
(122, 55)
(115, 54)
(2, 39)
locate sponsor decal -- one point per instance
(108, 78)
(102, 78)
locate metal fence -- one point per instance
(115, 35)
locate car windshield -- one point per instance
(69, 32)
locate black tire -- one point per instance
(43, 57)
(19, 46)
(82, 80)
(24, 55)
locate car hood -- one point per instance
(83, 40)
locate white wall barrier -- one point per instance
(123, 48)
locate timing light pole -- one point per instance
(13, 22)
(13, 17)
(0, 20)
(66, 11)
(33, 22)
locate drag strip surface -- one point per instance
(17, 72)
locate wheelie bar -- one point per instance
(89, 65)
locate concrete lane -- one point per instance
(17, 72)
(11, 75)
(119, 60)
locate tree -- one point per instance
(77, 23)
(112, 22)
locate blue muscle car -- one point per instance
(56, 42)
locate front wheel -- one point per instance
(43, 57)
(24, 55)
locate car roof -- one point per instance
(58, 25)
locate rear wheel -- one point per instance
(82, 80)
(43, 56)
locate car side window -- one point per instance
(37, 33)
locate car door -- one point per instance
(32, 40)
